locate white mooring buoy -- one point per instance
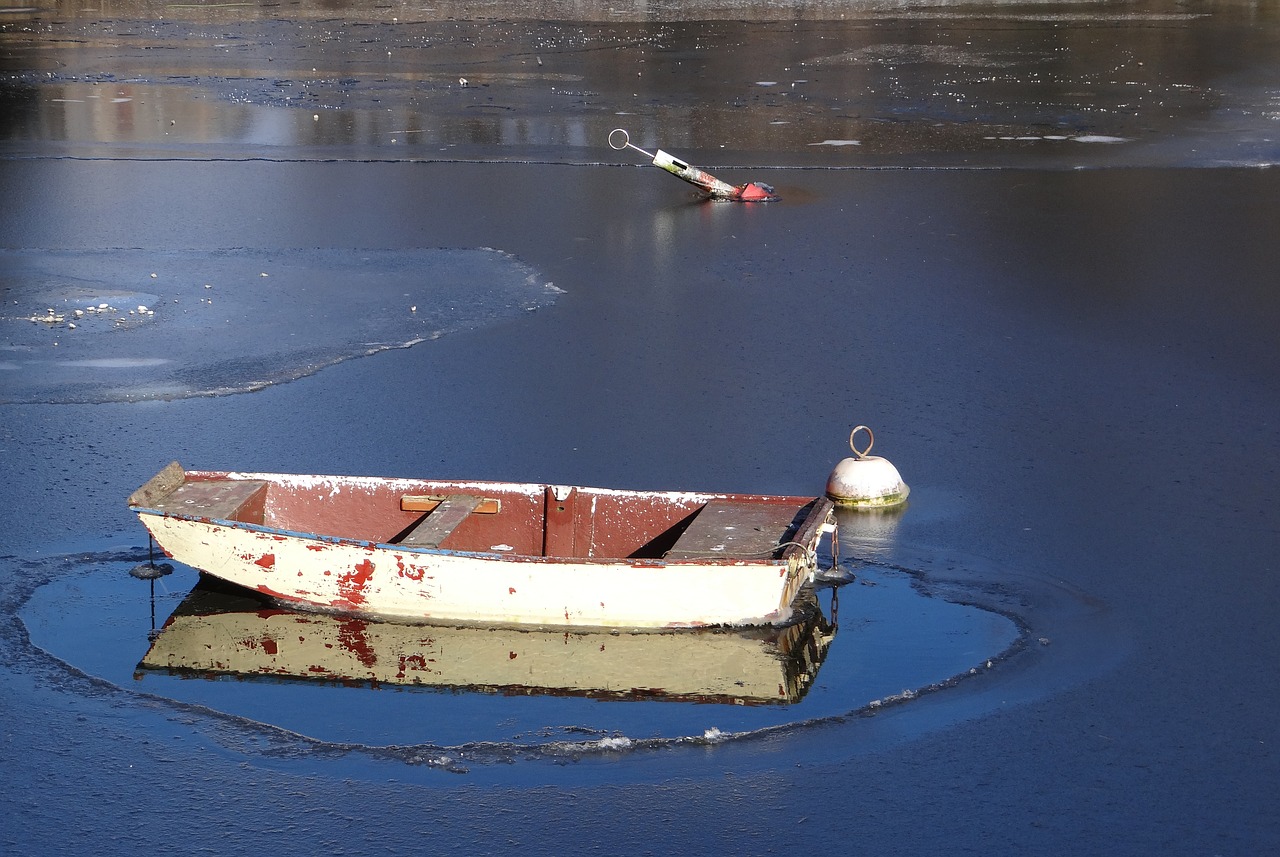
(866, 481)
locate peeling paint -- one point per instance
(353, 638)
(353, 585)
(416, 664)
(409, 571)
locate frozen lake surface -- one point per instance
(1032, 245)
(744, 85)
(75, 332)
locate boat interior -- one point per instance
(513, 518)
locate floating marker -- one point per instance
(151, 570)
(619, 139)
(866, 481)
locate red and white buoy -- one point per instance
(619, 139)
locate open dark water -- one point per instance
(473, 696)
(1033, 246)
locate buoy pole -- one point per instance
(619, 139)
(693, 175)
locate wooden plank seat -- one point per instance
(226, 500)
(725, 528)
(443, 515)
(428, 502)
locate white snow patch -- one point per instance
(619, 743)
(896, 697)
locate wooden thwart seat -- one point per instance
(444, 514)
(428, 502)
(725, 528)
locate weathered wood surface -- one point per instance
(726, 528)
(441, 521)
(224, 500)
(158, 486)
(428, 502)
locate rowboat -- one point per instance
(222, 631)
(491, 553)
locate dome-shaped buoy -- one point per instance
(866, 481)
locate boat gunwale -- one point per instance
(531, 488)
(780, 556)
(788, 549)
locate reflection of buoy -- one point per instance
(866, 481)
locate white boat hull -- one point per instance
(400, 583)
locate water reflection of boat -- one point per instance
(220, 630)
(491, 552)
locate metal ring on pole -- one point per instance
(626, 143)
(626, 139)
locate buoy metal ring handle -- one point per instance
(871, 439)
(626, 143)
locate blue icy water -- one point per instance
(1066, 346)
(896, 643)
